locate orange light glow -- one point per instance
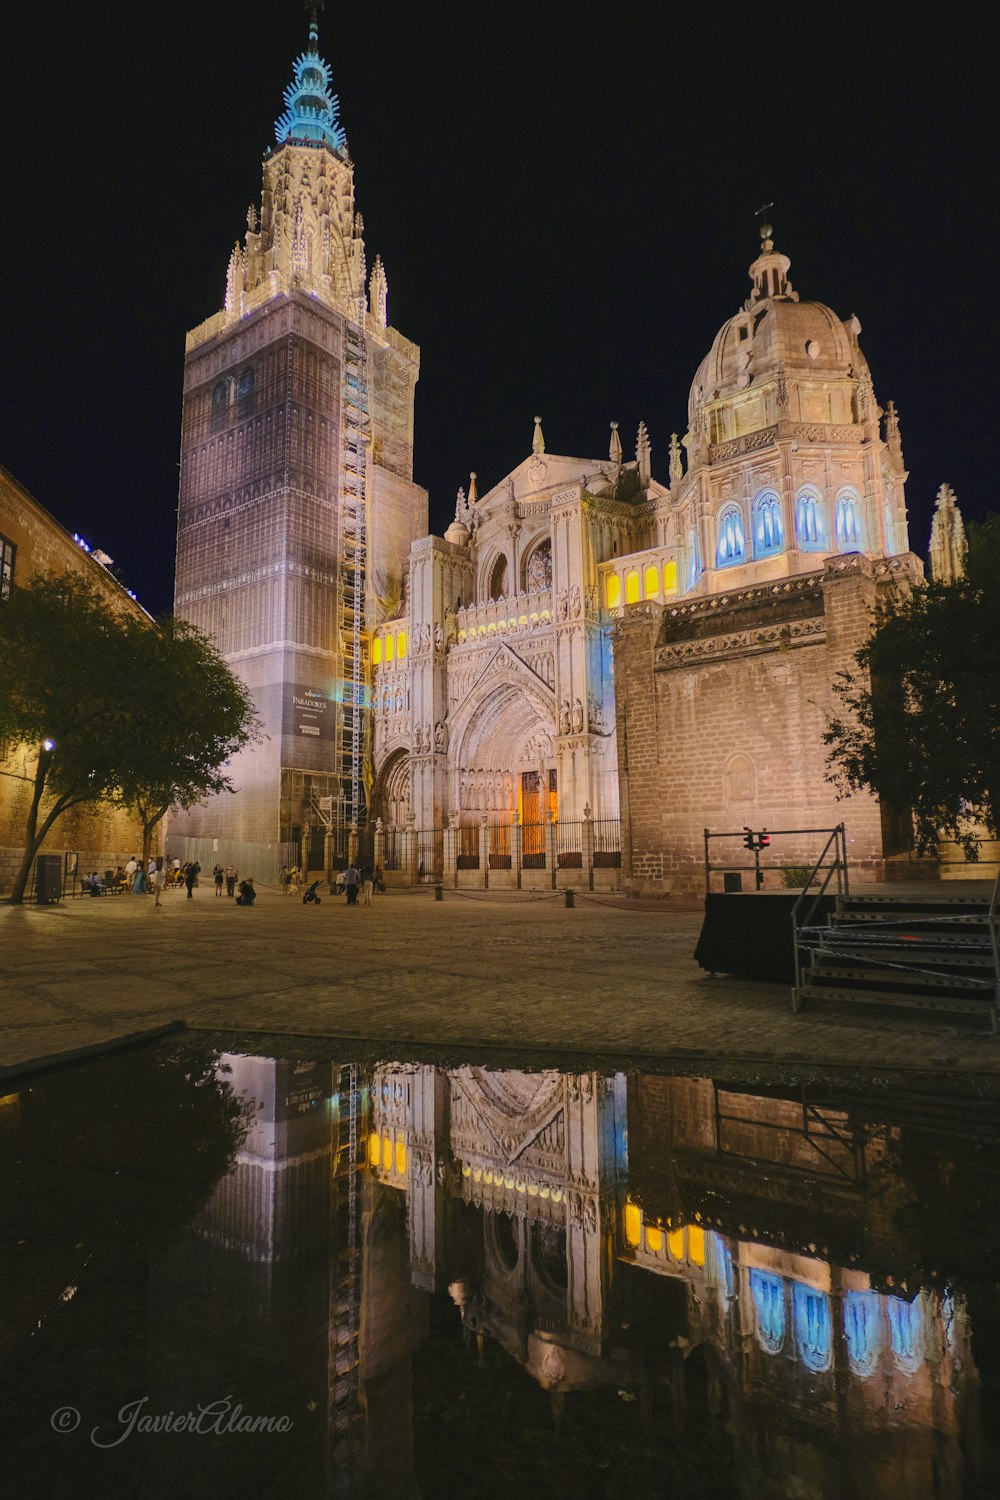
(373, 1149)
(376, 651)
(633, 1223)
(670, 578)
(614, 591)
(401, 1157)
(696, 1244)
(651, 581)
(654, 1240)
(632, 587)
(400, 644)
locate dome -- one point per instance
(774, 333)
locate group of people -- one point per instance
(136, 879)
(363, 880)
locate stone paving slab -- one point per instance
(607, 976)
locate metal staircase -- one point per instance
(353, 727)
(926, 951)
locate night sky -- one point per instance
(563, 196)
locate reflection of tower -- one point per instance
(239, 1299)
(297, 505)
(344, 1412)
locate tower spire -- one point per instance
(312, 110)
(949, 548)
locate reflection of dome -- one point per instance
(775, 333)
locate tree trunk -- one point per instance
(34, 836)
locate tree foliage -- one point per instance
(919, 723)
(137, 715)
(188, 716)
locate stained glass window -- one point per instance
(768, 528)
(809, 528)
(732, 546)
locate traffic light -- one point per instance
(749, 840)
(765, 839)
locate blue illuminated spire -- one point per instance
(312, 111)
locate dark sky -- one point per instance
(564, 198)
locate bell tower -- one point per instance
(297, 503)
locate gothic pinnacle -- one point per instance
(676, 462)
(948, 547)
(615, 450)
(473, 496)
(538, 441)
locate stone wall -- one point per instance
(721, 705)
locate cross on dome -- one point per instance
(312, 110)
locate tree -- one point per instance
(60, 664)
(120, 710)
(920, 725)
(188, 716)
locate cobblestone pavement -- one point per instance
(607, 977)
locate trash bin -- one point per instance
(48, 878)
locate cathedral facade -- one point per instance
(586, 648)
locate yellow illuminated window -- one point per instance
(401, 644)
(654, 1240)
(614, 591)
(670, 578)
(696, 1244)
(633, 1223)
(373, 1149)
(651, 581)
(376, 651)
(632, 587)
(400, 1157)
(386, 1152)
(389, 648)
(675, 1243)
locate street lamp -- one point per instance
(48, 746)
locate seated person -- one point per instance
(93, 885)
(247, 895)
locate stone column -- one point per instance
(484, 853)
(451, 849)
(516, 849)
(352, 844)
(379, 845)
(587, 845)
(328, 856)
(550, 850)
(408, 856)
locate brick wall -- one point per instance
(722, 703)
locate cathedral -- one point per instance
(590, 666)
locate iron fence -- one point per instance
(607, 843)
(533, 846)
(569, 846)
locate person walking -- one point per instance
(139, 886)
(366, 886)
(191, 877)
(219, 874)
(285, 880)
(130, 870)
(231, 876)
(157, 879)
(352, 880)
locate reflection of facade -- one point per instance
(772, 1220)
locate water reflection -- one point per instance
(567, 1282)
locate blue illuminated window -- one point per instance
(848, 523)
(732, 546)
(905, 1332)
(811, 1313)
(862, 1331)
(768, 1294)
(810, 530)
(694, 559)
(768, 528)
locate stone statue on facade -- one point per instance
(577, 716)
(574, 601)
(564, 717)
(438, 637)
(440, 737)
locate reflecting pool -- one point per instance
(227, 1274)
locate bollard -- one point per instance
(439, 892)
(569, 899)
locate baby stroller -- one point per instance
(311, 895)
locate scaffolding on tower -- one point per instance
(354, 732)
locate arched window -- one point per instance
(768, 527)
(390, 648)
(670, 578)
(863, 1331)
(498, 579)
(632, 587)
(244, 392)
(400, 644)
(848, 522)
(768, 1293)
(538, 569)
(694, 558)
(614, 591)
(377, 651)
(810, 530)
(651, 581)
(732, 546)
(220, 404)
(811, 1312)
(633, 1223)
